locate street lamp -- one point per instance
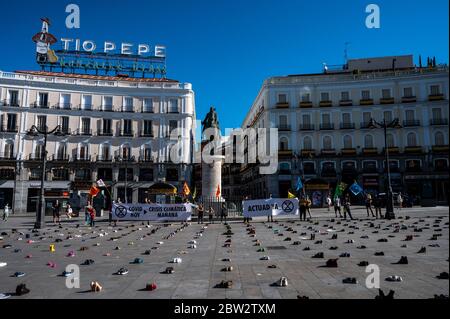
(34, 132)
(125, 159)
(373, 124)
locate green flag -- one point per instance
(194, 194)
(340, 189)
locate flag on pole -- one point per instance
(339, 189)
(94, 191)
(101, 183)
(356, 189)
(186, 190)
(299, 185)
(290, 195)
(218, 191)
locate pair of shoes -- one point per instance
(122, 271)
(422, 250)
(363, 263)
(67, 273)
(318, 255)
(19, 274)
(379, 253)
(177, 260)
(334, 248)
(169, 270)
(229, 268)
(88, 262)
(443, 275)
(361, 247)
(95, 286)
(394, 278)
(225, 284)
(282, 282)
(350, 280)
(138, 261)
(343, 255)
(381, 295)
(331, 263)
(22, 290)
(272, 266)
(264, 258)
(151, 286)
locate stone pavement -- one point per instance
(201, 268)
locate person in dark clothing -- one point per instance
(201, 211)
(223, 213)
(347, 205)
(56, 212)
(211, 214)
(303, 208)
(377, 204)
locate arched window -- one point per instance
(327, 143)
(411, 140)
(307, 143)
(390, 140)
(368, 141)
(284, 144)
(439, 139)
(348, 142)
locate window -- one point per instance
(86, 102)
(146, 175)
(345, 96)
(107, 103)
(326, 119)
(411, 140)
(441, 165)
(127, 127)
(366, 117)
(346, 118)
(64, 101)
(324, 96)
(348, 143)
(62, 151)
(106, 152)
(306, 97)
(306, 119)
(309, 168)
(390, 140)
(437, 114)
(147, 105)
(38, 151)
(387, 116)
(407, 92)
(148, 128)
(129, 176)
(126, 152)
(172, 174)
(13, 98)
(86, 126)
(284, 144)
(368, 141)
(370, 166)
(83, 174)
(106, 127)
(282, 98)
(307, 143)
(283, 121)
(84, 152)
(11, 123)
(147, 154)
(409, 115)
(439, 139)
(128, 104)
(9, 150)
(173, 125)
(434, 90)
(42, 122)
(365, 95)
(105, 174)
(64, 120)
(60, 174)
(173, 106)
(386, 93)
(43, 100)
(327, 143)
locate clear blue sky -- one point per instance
(226, 48)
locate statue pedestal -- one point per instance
(212, 177)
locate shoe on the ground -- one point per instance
(334, 248)
(403, 261)
(422, 250)
(122, 271)
(381, 295)
(19, 274)
(177, 260)
(350, 280)
(95, 286)
(363, 263)
(228, 269)
(4, 296)
(318, 255)
(282, 282)
(272, 266)
(169, 270)
(225, 284)
(443, 275)
(343, 255)
(22, 290)
(306, 248)
(138, 261)
(88, 262)
(265, 258)
(3, 264)
(151, 286)
(331, 263)
(379, 253)
(394, 278)
(67, 273)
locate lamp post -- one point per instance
(373, 124)
(125, 159)
(35, 131)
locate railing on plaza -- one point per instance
(233, 204)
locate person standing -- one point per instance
(56, 212)
(368, 201)
(337, 206)
(377, 205)
(328, 202)
(223, 213)
(211, 214)
(347, 205)
(308, 206)
(201, 211)
(400, 201)
(91, 211)
(6, 213)
(303, 209)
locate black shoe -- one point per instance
(379, 253)
(331, 263)
(363, 263)
(318, 255)
(443, 275)
(381, 295)
(350, 280)
(403, 261)
(422, 250)
(22, 290)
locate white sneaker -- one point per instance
(4, 296)
(2, 264)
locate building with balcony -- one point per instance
(115, 128)
(324, 130)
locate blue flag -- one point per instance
(356, 189)
(299, 185)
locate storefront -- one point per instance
(6, 194)
(428, 190)
(371, 183)
(317, 190)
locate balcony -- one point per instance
(413, 150)
(435, 122)
(10, 103)
(435, 97)
(370, 151)
(440, 149)
(328, 152)
(146, 159)
(388, 100)
(174, 111)
(284, 127)
(345, 103)
(282, 105)
(411, 123)
(63, 106)
(329, 173)
(325, 103)
(35, 157)
(9, 129)
(84, 132)
(59, 158)
(305, 104)
(106, 108)
(105, 132)
(86, 158)
(127, 109)
(366, 102)
(326, 126)
(306, 127)
(66, 131)
(409, 99)
(147, 110)
(348, 151)
(347, 126)
(84, 107)
(392, 150)
(126, 133)
(7, 156)
(364, 125)
(284, 152)
(104, 158)
(40, 105)
(145, 133)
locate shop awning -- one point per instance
(162, 189)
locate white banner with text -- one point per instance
(271, 206)
(154, 212)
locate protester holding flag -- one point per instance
(347, 205)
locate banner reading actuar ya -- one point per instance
(271, 206)
(154, 212)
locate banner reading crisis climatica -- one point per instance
(155, 212)
(271, 206)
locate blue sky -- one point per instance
(226, 48)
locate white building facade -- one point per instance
(115, 128)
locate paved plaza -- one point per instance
(283, 241)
